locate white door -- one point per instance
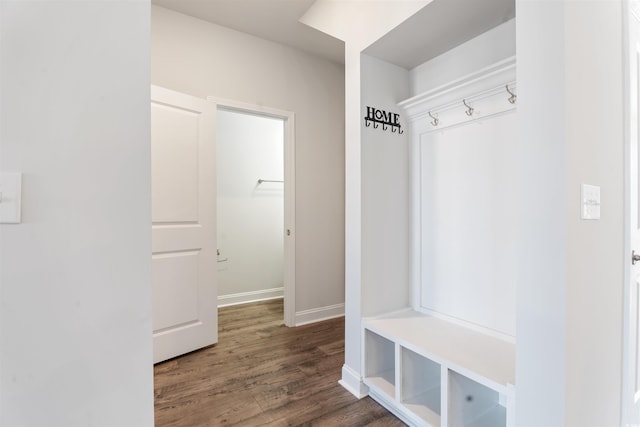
(183, 200)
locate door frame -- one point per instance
(629, 354)
(288, 118)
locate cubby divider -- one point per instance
(380, 364)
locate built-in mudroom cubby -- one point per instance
(438, 330)
(433, 372)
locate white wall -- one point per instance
(202, 59)
(385, 192)
(351, 370)
(75, 276)
(570, 299)
(486, 49)
(595, 256)
(250, 215)
(359, 24)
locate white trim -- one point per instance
(511, 405)
(289, 195)
(486, 79)
(290, 221)
(319, 314)
(415, 216)
(352, 382)
(251, 108)
(627, 383)
(252, 296)
(484, 90)
(628, 377)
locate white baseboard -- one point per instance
(253, 296)
(318, 314)
(353, 383)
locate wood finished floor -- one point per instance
(262, 373)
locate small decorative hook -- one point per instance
(384, 127)
(367, 123)
(513, 97)
(435, 120)
(469, 111)
(375, 125)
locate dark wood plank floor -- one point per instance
(262, 373)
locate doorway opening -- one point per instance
(255, 206)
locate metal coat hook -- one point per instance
(469, 111)
(513, 97)
(435, 120)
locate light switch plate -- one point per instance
(10, 197)
(590, 201)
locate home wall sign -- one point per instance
(385, 118)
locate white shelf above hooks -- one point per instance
(483, 94)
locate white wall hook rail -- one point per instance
(482, 94)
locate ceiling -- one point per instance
(439, 27)
(274, 20)
(436, 28)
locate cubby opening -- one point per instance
(380, 363)
(421, 386)
(472, 404)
